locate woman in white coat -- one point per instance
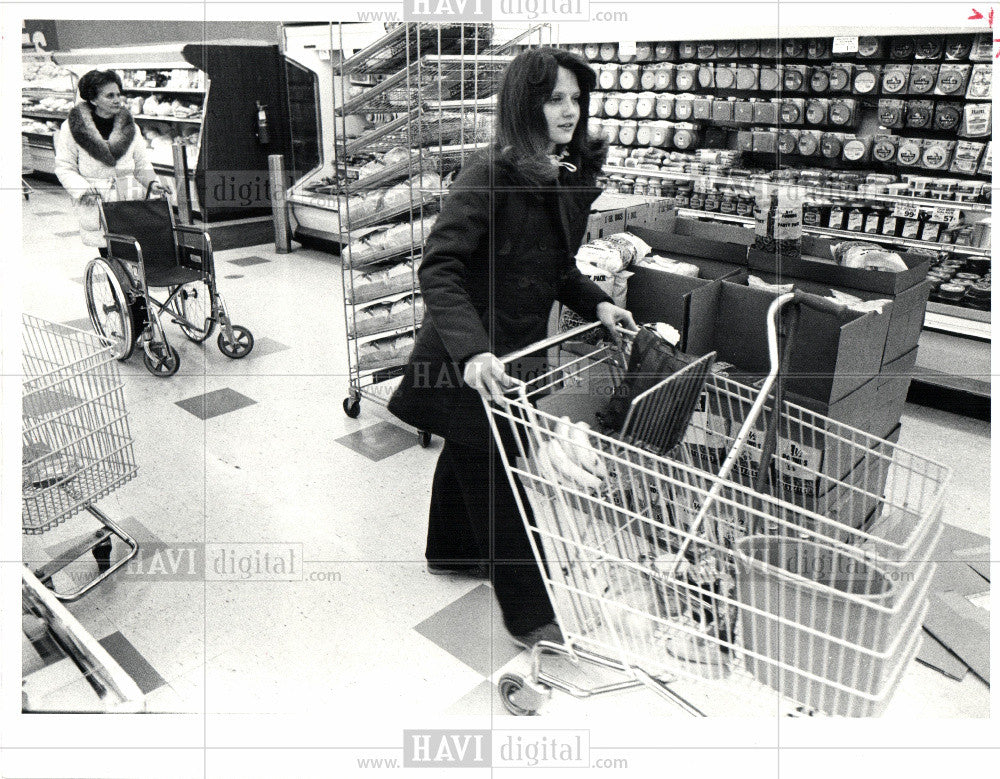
(100, 152)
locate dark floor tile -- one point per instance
(253, 259)
(265, 345)
(379, 441)
(471, 629)
(133, 663)
(215, 403)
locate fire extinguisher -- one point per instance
(263, 133)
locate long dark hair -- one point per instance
(522, 133)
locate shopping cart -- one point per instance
(76, 444)
(771, 557)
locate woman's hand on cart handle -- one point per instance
(486, 375)
(612, 316)
(158, 188)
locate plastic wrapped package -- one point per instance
(384, 352)
(613, 253)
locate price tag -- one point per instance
(948, 216)
(906, 211)
(845, 44)
(627, 49)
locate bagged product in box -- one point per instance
(613, 253)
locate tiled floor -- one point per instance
(252, 463)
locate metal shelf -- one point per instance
(182, 119)
(444, 74)
(957, 320)
(43, 115)
(861, 192)
(968, 251)
(167, 90)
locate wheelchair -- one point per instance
(146, 249)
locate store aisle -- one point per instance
(238, 458)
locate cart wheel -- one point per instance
(107, 305)
(161, 359)
(425, 438)
(352, 407)
(240, 346)
(511, 685)
(194, 303)
(102, 554)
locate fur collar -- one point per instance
(84, 132)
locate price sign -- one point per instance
(906, 210)
(627, 49)
(949, 216)
(845, 44)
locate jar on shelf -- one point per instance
(655, 187)
(608, 52)
(682, 199)
(811, 214)
(697, 201)
(608, 78)
(744, 205)
(837, 216)
(641, 185)
(856, 218)
(727, 202)
(665, 106)
(713, 200)
(874, 218)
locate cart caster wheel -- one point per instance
(425, 439)
(102, 554)
(239, 347)
(161, 360)
(352, 407)
(519, 698)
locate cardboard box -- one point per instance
(833, 355)
(710, 240)
(659, 215)
(604, 223)
(906, 320)
(890, 398)
(660, 296)
(821, 268)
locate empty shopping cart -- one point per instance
(76, 443)
(770, 552)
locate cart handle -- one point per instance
(817, 303)
(548, 343)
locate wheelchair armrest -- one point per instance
(127, 239)
(208, 260)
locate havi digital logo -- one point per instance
(446, 748)
(447, 10)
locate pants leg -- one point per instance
(493, 516)
(451, 536)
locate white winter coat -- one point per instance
(118, 167)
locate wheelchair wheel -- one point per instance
(108, 306)
(241, 344)
(194, 303)
(161, 359)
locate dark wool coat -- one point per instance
(501, 252)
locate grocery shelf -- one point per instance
(44, 115)
(167, 90)
(968, 251)
(442, 75)
(391, 51)
(957, 320)
(183, 119)
(859, 193)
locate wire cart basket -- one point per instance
(764, 555)
(76, 444)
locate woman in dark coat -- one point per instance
(500, 254)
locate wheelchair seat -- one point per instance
(151, 223)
